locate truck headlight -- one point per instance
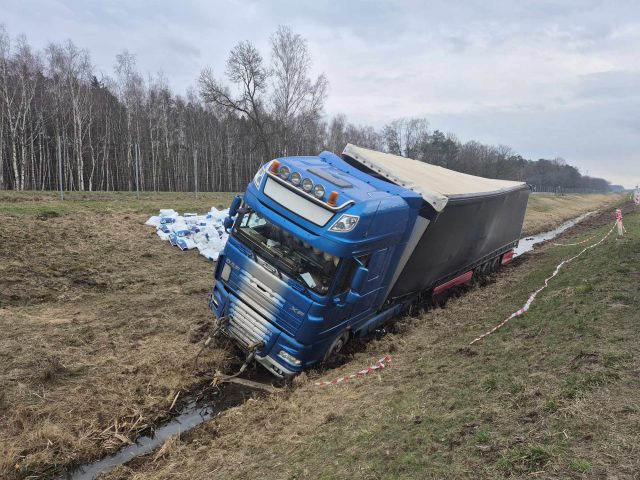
(319, 191)
(296, 179)
(287, 357)
(345, 223)
(284, 172)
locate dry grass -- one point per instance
(553, 395)
(99, 320)
(546, 211)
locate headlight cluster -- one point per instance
(345, 223)
(306, 184)
(286, 356)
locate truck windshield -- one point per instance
(312, 267)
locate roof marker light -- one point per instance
(333, 198)
(274, 167)
(284, 172)
(307, 185)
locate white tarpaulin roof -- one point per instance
(435, 184)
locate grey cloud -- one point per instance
(548, 77)
(182, 47)
(612, 84)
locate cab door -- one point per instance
(339, 310)
(375, 263)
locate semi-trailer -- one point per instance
(324, 248)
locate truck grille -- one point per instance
(246, 325)
(266, 301)
(259, 292)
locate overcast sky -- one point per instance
(546, 78)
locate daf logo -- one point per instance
(297, 311)
(232, 265)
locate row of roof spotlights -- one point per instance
(306, 184)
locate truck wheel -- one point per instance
(495, 264)
(485, 269)
(336, 346)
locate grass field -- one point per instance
(100, 322)
(544, 211)
(552, 395)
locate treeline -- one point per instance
(61, 124)
(412, 138)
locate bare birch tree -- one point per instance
(295, 96)
(246, 71)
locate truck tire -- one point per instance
(336, 346)
(485, 268)
(495, 264)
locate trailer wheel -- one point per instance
(495, 264)
(485, 269)
(481, 272)
(336, 346)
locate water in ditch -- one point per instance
(191, 415)
(526, 244)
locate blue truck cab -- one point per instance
(307, 261)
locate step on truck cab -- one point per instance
(324, 247)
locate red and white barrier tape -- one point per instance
(532, 297)
(379, 365)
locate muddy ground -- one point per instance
(100, 322)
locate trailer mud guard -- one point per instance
(459, 280)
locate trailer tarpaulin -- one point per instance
(436, 184)
(482, 219)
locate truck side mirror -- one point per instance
(235, 205)
(359, 277)
(228, 223)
